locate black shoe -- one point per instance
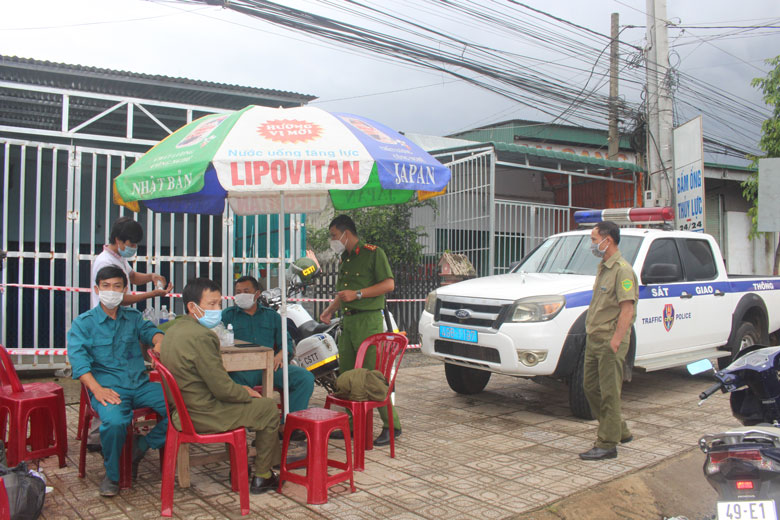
(93, 448)
(259, 485)
(109, 488)
(596, 453)
(138, 455)
(627, 439)
(384, 437)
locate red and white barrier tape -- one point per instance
(64, 351)
(38, 351)
(170, 295)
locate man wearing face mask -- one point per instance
(257, 324)
(104, 355)
(611, 314)
(125, 236)
(364, 279)
(215, 402)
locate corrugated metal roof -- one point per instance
(146, 86)
(518, 129)
(565, 157)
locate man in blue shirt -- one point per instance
(105, 356)
(257, 324)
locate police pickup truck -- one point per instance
(531, 321)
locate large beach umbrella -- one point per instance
(263, 160)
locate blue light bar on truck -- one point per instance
(625, 215)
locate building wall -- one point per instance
(758, 257)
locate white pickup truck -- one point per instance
(531, 321)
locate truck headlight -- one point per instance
(536, 308)
(430, 303)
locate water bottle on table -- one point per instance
(163, 315)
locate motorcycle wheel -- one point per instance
(327, 381)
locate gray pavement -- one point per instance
(509, 452)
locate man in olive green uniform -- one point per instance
(364, 279)
(215, 403)
(611, 313)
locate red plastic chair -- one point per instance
(236, 439)
(42, 429)
(317, 423)
(390, 348)
(34, 404)
(5, 507)
(126, 458)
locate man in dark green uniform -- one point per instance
(258, 324)
(611, 313)
(190, 350)
(364, 279)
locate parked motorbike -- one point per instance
(315, 343)
(743, 464)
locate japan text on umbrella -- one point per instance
(264, 160)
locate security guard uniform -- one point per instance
(603, 379)
(215, 403)
(108, 349)
(363, 267)
(264, 327)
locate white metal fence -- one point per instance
(56, 215)
(470, 220)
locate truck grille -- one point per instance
(464, 350)
(481, 314)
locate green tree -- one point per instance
(385, 226)
(769, 144)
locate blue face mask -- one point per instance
(210, 318)
(128, 252)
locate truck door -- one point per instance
(664, 316)
(712, 303)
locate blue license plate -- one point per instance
(458, 334)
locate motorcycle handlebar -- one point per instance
(711, 390)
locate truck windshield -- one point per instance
(571, 255)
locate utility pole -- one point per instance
(660, 121)
(614, 138)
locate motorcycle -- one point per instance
(316, 343)
(743, 464)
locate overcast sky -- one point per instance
(210, 43)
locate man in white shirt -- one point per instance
(125, 236)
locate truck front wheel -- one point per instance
(747, 334)
(577, 402)
(466, 380)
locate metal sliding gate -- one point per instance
(56, 215)
(470, 220)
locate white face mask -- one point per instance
(337, 246)
(245, 300)
(110, 299)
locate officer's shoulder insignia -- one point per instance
(370, 247)
(627, 284)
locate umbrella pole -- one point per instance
(283, 286)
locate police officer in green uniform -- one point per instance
(364, 279)
(611, 313)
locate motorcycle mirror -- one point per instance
(700, 366)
